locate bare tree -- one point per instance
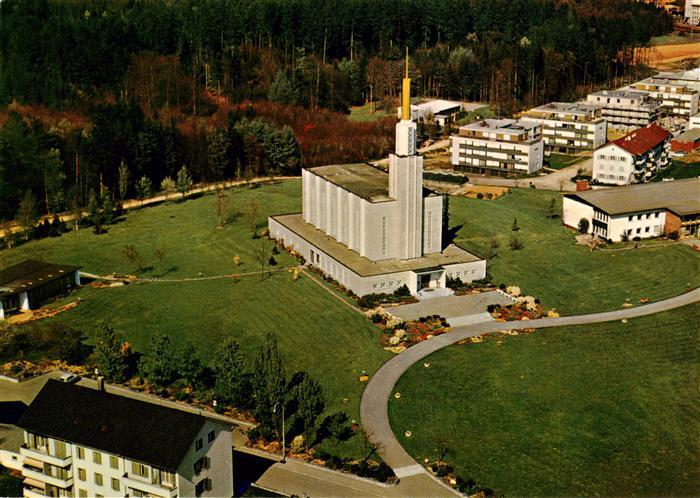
(263, 252)
(252, 218)
(221, 205)
(370, 445)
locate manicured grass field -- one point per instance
(679, 170)
(602, 410)
(317, 333)
(559, 161)
(563, 275)
(365, 113)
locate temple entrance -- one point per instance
(424, 281)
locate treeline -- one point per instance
(46, 170)
(317, 53)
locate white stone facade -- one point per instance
(626, 110)
(677, 99)
(570, 127)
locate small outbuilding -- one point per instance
(28, 284)
(687, 141)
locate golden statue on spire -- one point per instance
(406, 95)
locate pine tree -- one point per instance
(189, 365)
(218, 152)
(269, 381)
(167, 185)
(184, 181)
(107, 207)
(283, 89)
(123, 181)
(307, 395)
(143, 188)
(27, 214)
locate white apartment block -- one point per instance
(634, 158)
(637, 211)
(570, 127)
(626, 109)
(692, 12)
(84, 442)
(498, 147)
(677, 98)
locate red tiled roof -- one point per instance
(642, 140)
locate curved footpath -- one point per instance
(414, 478)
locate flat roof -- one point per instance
(502, 125)
(630, 94)
(127, 427)
(366, 181)
(363, 266)
(569, 107)
(680, 196)
(692, 135)
(29, 274)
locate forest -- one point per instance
(231, 88)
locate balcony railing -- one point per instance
(148, 486)
(43, 456)
(60, 482)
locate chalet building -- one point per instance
(649, 210)
(678, 98)
(373, 231)
(688, 141)
(84, 442)
(570, 127)
(498, 147)
(28, 284)
(634, 158)
(626, 109)
(442, 112)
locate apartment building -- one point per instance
(692, 12)
(634, 158)
(694, 122)
(570, 127)
(85, 442)
(678, 98)
(626, 109)
(637, 211)
(498, 147)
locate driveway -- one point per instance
(374, 404)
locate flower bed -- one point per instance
(398, 335)
(524, 308)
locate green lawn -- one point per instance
(563, 275)
(679, 170)
(559, 161)
(368, 112)
(317, 333)
(602, 410)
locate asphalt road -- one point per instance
(374, 404)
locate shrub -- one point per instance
(402, 291)
(636, 238)
(502, 286)
(275, 251)
(583, 225)
(272, 261)
(489, 195)
(673, 235)
(479, 195)
(376, 318)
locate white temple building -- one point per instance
(374, 231)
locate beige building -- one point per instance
(570, 127)
(498, 147)
(84, 442)
(637, 211)
(373, 231)
(677, 98)
(626, 109)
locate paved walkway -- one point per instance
(374, 404)
(454, 308)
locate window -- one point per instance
(199, 444)
(80, 452)
(656, 215)
(202, 486)
(81, 474)
(630, 218)
(60, 447)
(201, 464)
(646, 230)
(82, 493)
(113, 462)
(115, 484)
(139, 470)
(211, 436)
(98, 479)
(648, 215)
(639, 230)
(639, 216)
(97, 457)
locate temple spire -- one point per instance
(406, 95)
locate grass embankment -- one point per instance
(317, 333)
(559, 161)
(679, 170)
(368, 112)
(563, 275)
(600, 410)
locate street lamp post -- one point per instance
(284, 451)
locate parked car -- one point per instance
(69, 378)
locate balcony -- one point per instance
(43, 456)
(36, 474)
(148, 487)
(32, 492)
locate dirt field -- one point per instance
(664, 54)
(473, 191)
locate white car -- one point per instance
(69, 378)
